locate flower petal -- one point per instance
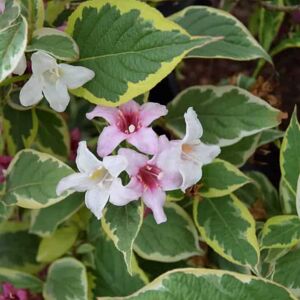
(193, 127)
(21, 66)
(31, 92)
(110, 114)
(121, 195)
(206, 153)
(135, 160)
(145, 140)
(86, 161)
(2, 6)
(151, 111)
(57, 95)
(109, 139)
(169, 159)
(75, 182)
(115, 164)
(75, 76)
(170, 181)
(42, 62)
(130, 106)
(191, 173)
(95, 200)
(155, 200)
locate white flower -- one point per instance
(21, 66)
(187, 156)
(53, 80)
(99, 179)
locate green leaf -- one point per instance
(19, 137)
(136, 48)
(67, 279)
(122, 224)
(240, 152)
(267, 193)
(293, 42)
(287, 272)
(269, 135)
(222, 107)
(5, 211)
(46, 220)
(290, 159)
(54, 8)
(10, 14)
(221, 178)
(287, 197)
(32, 178)
(280, 232)
(171, 241)
(47, 39)
(237, 42)
(53, 134)
(269, 24)
(227, 226)
(112, 277)
(18, 249)
(56, 245)
(21, 280)
(298, 197)
(203, 284)
(33, 11)
(13, 41)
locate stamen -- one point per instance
(131, 128)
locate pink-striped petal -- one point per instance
(135, 160)
(121, 195)
(110, 114)
(109, 139)
(145, 140)
(155, 200)
(150, 112)
(129, 107)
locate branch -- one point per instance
(282, 8)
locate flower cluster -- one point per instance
(163, 166)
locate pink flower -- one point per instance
(187, 156)
(128, 122)
(4, 163)
(149, 180)
(9, 292)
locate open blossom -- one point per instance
(149, 180)
(128, 122)
(99, 179)
(52, 80)
(187, 156)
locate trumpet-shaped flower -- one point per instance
(52, 80)
(128, 122)
(99, 179)
(10, 292)
(150, 180)
(187, 156)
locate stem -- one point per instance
(14, 79)
(283, 8)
